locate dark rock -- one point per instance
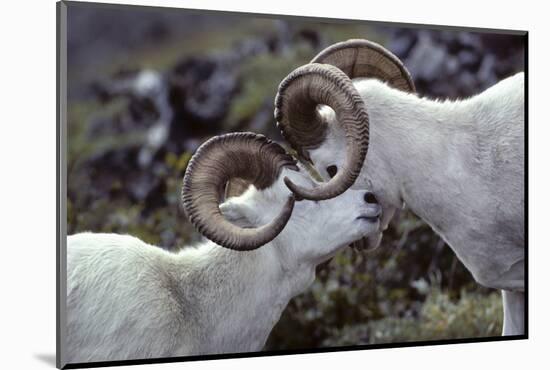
(486, 72)
(402, 45)
(454, 64)
(427, 59)
(200, 91)
(157, 31)
(502, 45)
(469, 40)
(469, 59)
(312, 37)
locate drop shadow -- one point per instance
(47, 358)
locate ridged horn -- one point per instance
(247, 156)
(363, 58)
(296, 113)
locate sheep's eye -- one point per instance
(370, 198)
(332, 170)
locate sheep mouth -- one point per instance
(369, 218)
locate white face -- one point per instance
(337, 222)
(330, 157)
(316, 229)
(328, 166)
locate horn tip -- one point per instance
(295, 189)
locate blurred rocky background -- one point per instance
(148, 86)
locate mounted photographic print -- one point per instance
(234, 184)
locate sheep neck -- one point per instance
(244, 293)
(453, 164)
(417, 158)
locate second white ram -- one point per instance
(459, 165)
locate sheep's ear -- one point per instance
(235, 213)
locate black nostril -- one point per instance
(370, 198)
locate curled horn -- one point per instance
(246, 156)
(363, 58)
(301, 125)
(296, 107)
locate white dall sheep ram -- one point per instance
(459, 165)
(131, 300)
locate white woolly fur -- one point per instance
(459, 165)
(127, 299)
